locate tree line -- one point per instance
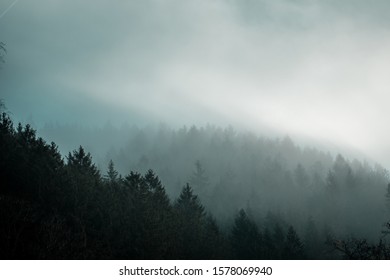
(64, 208)
(230, 170)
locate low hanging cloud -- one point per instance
(316, 68)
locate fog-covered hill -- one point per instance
(231, 170)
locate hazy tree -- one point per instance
(278, 238)
(112, 174)
(199, 177)
(2, 51)
(293, 249)
(269, 250)
(301, 177)
(200, 182)
(312, 242)
(332, 185)
(388, 196)
(340, 177)
(2, 106)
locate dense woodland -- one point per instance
(228, 196)
(230, 170)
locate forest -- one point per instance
(176, 130)
(190, 193)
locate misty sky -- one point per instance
(315, 68)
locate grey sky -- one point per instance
(317, 68)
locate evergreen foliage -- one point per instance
(51, 208)
(245, 238)
(2, 51)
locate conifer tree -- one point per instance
(112, 174)
(278, 238)
(157, 216)
(293, 249)
(190, 215)
(2, 51)
(313, 244)
(245, 238)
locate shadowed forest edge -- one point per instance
(56, 208)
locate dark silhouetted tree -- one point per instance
(245, 238)
(190, 224)
(158, 220)
(293, 249)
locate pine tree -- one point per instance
(81, 162)
(301, 177)
(269, 250)
(313, 242)
(189, 205)
(293, 249)
(340, 178)
(200, 181)
(214, 241)
(245, 238)
(199, 178)
(190, 225)
(158, 219)
(278, 238)
(2, 51)
(112, 174)
(84, 177)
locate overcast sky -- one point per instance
(316, 68)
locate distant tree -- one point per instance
(388, 196)
(301, 176)
(2, 51)
(112, 174)
(340, 178)
(199, 180)
(288, 147)
(2, 106)
(332, 185)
